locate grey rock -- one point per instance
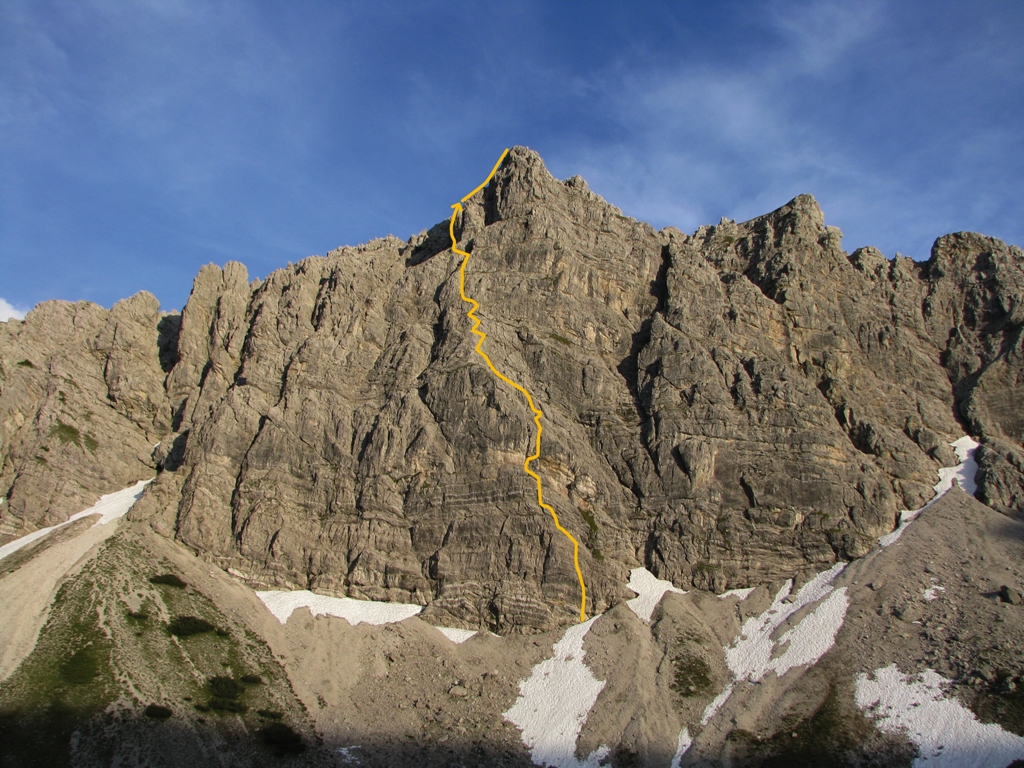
(1010, 595)
(725, 408)
(81, 404)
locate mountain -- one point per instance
(721, 408)
(745, 408)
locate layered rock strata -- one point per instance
(724, 408)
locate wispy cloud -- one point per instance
(141, 140)
(834, 104)
(10, 312)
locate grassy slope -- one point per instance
(106, 653)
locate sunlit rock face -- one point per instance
(723, 408)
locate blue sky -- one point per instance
(140, 140)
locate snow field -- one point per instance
(964, 473)
(947, 734)
(649, 589)
(752, 654)
(456, 635)
(682, 746)
(283, 603)
(554, 702)
(109, 508)
(739, 594)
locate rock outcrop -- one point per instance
(82, 401)
(724, 408)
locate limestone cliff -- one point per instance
(724, 408)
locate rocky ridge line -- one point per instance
(724, 408)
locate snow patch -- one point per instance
(752, 654)
(947, 734)
(684, 744)
(283, 603)
(742, 594)
(456, 635)
(110, 507)
(348, 756)
(716, 704)
(649, 589)
(932, 593)
(964, 473)
(554, 702)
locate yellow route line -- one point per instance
(537, 413)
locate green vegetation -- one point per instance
(561, 339)
(168, 579)
(185, 626)
(81, 668)
(226, 692)
(26, 364)
(91, 443)
(588, 518)
(282, 739)
(692, 675)
(228, 705)
(105, 640)
(157, 712)
(64, 682)
(834, 735)
(226, 687)
(66, 433)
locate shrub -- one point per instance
(226, 687)
(168, 579)
(269, 714)
(91, 443)
(252, 679)
(228, 705)
(138, 615)
(157, 712)
(183, 626)
(692, 676)
(26, 364)
(66, 433)
(282, 739)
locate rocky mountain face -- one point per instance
(82, 402)
(724, 408)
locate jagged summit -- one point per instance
(723, 408)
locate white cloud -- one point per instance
(10, 312)
(742, 136)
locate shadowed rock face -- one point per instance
(723, 408)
